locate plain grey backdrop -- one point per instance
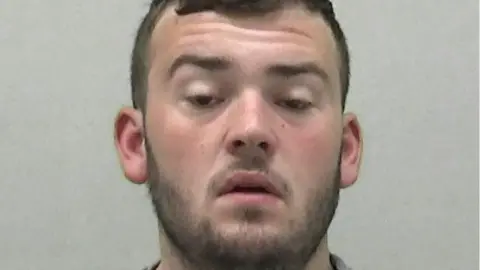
(64, 203)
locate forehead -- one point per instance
(289, 34)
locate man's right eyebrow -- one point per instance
(211, 63)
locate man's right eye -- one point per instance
(204, 101)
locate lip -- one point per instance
(250, 180)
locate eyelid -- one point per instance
(301, 92)
(198, 87)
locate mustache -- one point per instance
(252, 165)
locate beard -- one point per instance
(198, 243)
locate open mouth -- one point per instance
(253, 190)
(247, 183)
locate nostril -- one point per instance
(238, 143)
(263, 145)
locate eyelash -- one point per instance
(297, 105)
(206, 101)
(199, 100)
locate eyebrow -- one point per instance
(212, 63)
(215, 63)
(297, 69)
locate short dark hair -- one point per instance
(139, 62)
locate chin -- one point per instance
(249, 215)
(250, 242)
(252, 230)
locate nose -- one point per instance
(251, 131)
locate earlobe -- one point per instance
(130, 145)
(352, 149)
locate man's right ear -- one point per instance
(130, 144)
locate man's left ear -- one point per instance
(352, 148)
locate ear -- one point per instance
(129, 142)
(352, 149)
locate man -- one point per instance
(238, 128)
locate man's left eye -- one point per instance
(295, 104)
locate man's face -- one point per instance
(246, 143)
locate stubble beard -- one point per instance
(198, 245)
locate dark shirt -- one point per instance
(337, 263)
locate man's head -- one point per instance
(140, 55)
(239, 130)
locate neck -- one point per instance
(173, 260)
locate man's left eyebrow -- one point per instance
(292, 70)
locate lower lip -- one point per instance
(251, 198)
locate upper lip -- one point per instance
(250, 180)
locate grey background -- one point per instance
(64, 203)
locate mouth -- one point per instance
(250, 184)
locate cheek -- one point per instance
(180, 148)
(315, 148)
(174, 143)
(312, 154)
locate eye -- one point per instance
(295, 104)
(204, 101)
